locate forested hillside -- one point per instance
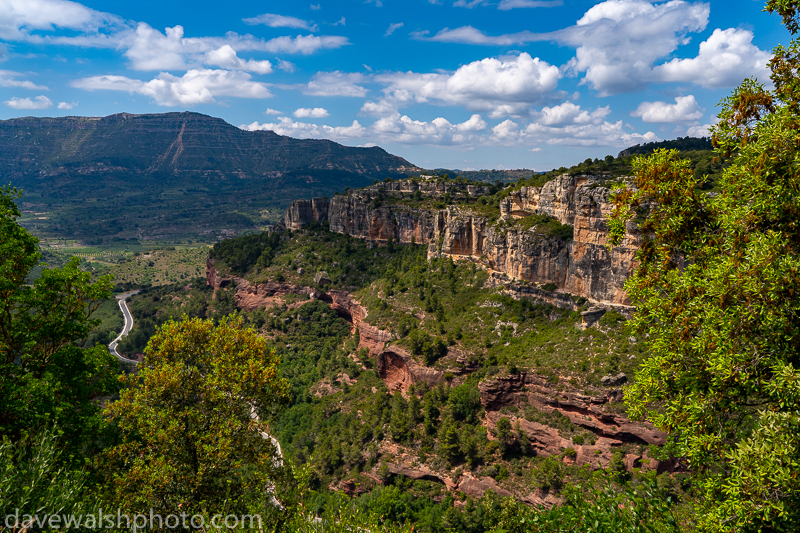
(171, 175)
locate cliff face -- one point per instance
(582, 266)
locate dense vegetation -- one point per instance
(181, 176)
(717, 294)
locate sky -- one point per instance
(464, 84)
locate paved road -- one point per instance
(126, 313)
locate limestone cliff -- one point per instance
(582, 266)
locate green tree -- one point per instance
(34, 480)
(718, 299)
(449, 448)
(45, 378)
(191, 440)
(503, 433)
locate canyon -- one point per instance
(583, 266)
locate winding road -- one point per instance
(126, 313)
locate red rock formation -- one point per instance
(399, 370)
(584, 411)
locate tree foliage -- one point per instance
(44, 377)
(191, 437)
(718, 297)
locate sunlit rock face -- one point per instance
(582, 266)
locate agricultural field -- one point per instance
(158, 267)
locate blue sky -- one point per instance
(466, 84)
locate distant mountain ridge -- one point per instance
(172, 175)
(173, 143)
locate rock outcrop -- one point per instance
(611, 430)
(582, 266)
(399, 370)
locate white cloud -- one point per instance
(307, 112)
(471, 35)
(685, 109)
(302, 44)
(341, 22)
(439, 131)
(149, 49)
(501, 86)
(724, 60)
(280, 21)
(508, 129)
(505, 5)
(699, 131)
(286, 66)
(226, 57)
(336, 84)
(392, 27)
(39, 102)
(395, 128)
(196, 86)
(618, 44)
(569, 113)
(316, 7)
(474, 123)
(67, 105)
(286, 126)
(8, 79)
(618, 41)
(19, 17)
(271, 111)
(469, 4)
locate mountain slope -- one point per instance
(171, 175)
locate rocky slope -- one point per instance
(513, 396)
(582, 266)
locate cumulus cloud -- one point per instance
(500, 86)
(595, 133)
(280, 21)
(286, 126)
(302, 44)
(336, 83)
(392, 28)
(685, 109)
(567, 124)
(724, 60)
(67, 105)
(149, 49)
(394, 128)
(271, 111)
(196, 86)
(39, 102)
(226, 57)
(8, 78)
(18, 18)
(618, 41)
(569, 113)
(618, 44)
(307, 112)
